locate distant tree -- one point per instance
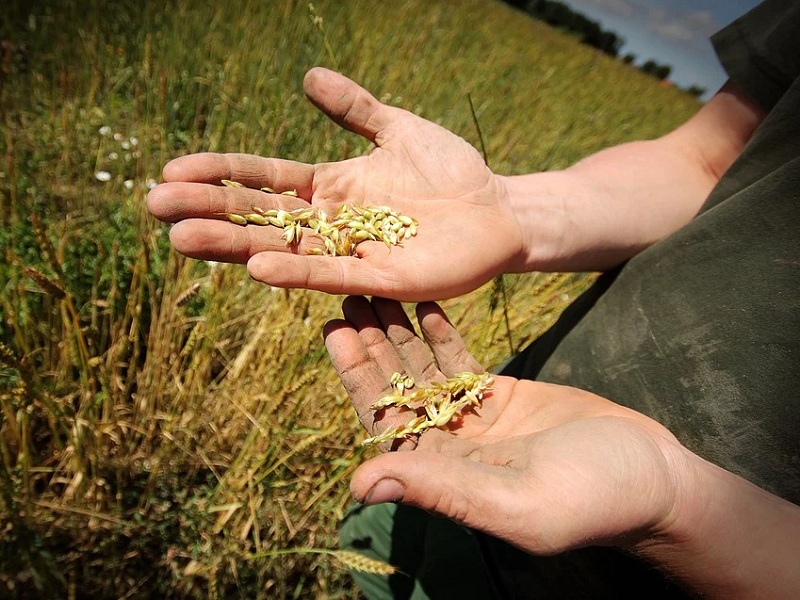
(656, 70)
(629, 58)
(558, 14)
(662, 72)
(695, 90)
(649, 66)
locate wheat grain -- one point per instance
(232, 184)
(351, 225)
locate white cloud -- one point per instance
(623, 8)
(683, 27)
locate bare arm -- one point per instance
(613, 204)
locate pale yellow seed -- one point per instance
(256, 219)
(353, 224)
(234, 218)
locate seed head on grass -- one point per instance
(365, 564)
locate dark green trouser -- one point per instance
(436, 557)
(440, 560)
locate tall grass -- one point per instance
(167, 424)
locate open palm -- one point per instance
(466, 234)
(545, 467)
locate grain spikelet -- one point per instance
(187, 295)
(300, 381)
(365, 564)
(194, 335)
(8, 357)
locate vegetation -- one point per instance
(559, 14)
(167, 426)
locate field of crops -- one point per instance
(168, 427)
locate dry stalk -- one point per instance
(48, 285)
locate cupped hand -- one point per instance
(467, 234)
(545, 467)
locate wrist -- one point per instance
(569, 222)
(724, 536)
(538, 204)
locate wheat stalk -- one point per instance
(350, 559)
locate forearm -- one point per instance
(607, 208)
(613, 204)
(730, 539)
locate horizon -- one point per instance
(671, 32)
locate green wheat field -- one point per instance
(169, 428)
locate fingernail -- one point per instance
(386, 490)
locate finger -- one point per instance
(364, 380)
(361, 376)
(333, 275)
(414, 354)
(172, 202)
(348, 104)
(448, 347)
(459, 489)
(206, 239)
(358, 311)
(250, 170)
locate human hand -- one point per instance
(467, 233)
(545, 467)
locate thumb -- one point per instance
(347, 103)
(463, 490)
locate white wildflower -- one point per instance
(126, 145)
(113, 156)
(118, 137)
(102, 176)
(151, 183)
(104, 130)
(128, 183)
(133, 141)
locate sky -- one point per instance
(673, 32)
